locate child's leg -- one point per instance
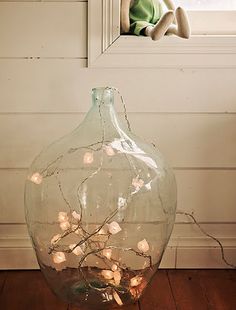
(182, 29)
(158, 31)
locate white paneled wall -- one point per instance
(190, 114)
(48, 29)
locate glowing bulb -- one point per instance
(137, 183)
(107, 274)
(36, 178)
(117, 298)
(121, 202)
(77, 250)
(117, 277)
(148, 186)
(65, 225)
(62, 217)
(59, 257)
(55, 239)
(136, 281)
(143, 246)
(88, 158)
(109, 150)
(114, 228)
(76, 216)
(114, 267)
(107, 253)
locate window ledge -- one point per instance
(212, 51)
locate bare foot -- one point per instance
(183, 27)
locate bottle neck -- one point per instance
(103, 114)
(103, 96)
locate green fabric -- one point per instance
(144, 13)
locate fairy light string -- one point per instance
(95, 243)
(191, 216)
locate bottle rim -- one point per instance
(103, 94)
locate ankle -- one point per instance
(148, 31)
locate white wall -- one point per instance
(45, 90)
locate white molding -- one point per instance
(103, 27)
(197, 44)
(191, 256)
(13, 242)
(213, 47)
(171, 52)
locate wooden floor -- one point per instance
(170, 289)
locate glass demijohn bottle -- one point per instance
(100, 207)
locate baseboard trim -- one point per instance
(18, 254)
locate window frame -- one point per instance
(211, 44)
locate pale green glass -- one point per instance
(100, 207)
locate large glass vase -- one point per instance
(100, 207)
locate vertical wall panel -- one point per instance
(43, 29)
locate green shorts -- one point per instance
(144, 13)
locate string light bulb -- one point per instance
(107, 253)
(64, 225)
(62, 217)
(107, 274)
(137, 183)
(143, 246)
(36, 178)
(114, 228)
(109, 150)
(76, 216)
(59, 257)
(114, 267)
(88, 158)
(122, 203)
(135, 281)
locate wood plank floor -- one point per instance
(170, 289)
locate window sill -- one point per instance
(211, 51)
